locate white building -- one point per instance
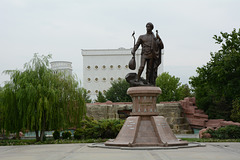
(101, 66)
(62, 66)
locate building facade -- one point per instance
(62, 66)
(102, 66)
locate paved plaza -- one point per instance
(212, 151)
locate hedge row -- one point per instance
(92, 129)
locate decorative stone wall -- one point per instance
(106, 110)
(198, 119)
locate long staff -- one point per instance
(134, 42)
(132, 62)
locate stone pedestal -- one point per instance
(144, 127)
(144, 100)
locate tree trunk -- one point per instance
(43, 127)
(37, 136)
(17, 135)
(36, 126)
(42, 135)
(4, 136)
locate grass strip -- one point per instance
(209, 140)
(48, 141)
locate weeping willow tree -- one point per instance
(2, 113)
(37, 99)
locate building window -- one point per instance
(119, 78)
(88, 67)
(104, 91)
(103, 67)
(96, 91)
(89, 79)
(104, 79)
(119, 66)
(111, 66)
(111, 78)
(96, 67)
(126, 66)
(96, 79)
(88, 91)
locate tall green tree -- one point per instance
(101, 97)
(85, 95)
(2, 113)
(11, 116)
(217, 84)
(37, 99)
(185, 91)
(172, 89)
(118, 91)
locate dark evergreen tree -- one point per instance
(118, 91)
(101, 97)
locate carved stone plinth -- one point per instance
(144, 100)
(144, 127)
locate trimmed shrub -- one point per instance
(92, 129)
(110, 128)
(56, 134)
(227, 132)
(78, 133)
(66, 135)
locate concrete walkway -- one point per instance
(212, 151)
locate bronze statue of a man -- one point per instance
(150, 55)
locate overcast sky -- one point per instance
(64, 27)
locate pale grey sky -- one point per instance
(64, 27)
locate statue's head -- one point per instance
(149, 26)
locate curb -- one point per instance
(101, 145)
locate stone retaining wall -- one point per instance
(171, 111)
(181, 116)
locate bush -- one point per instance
(227, 132)
(92, 129)
(89, 128)
(78, 133)
(66, 135)
(110, 128)
(56, 134)
(235, 116)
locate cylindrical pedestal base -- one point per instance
(144, 100)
